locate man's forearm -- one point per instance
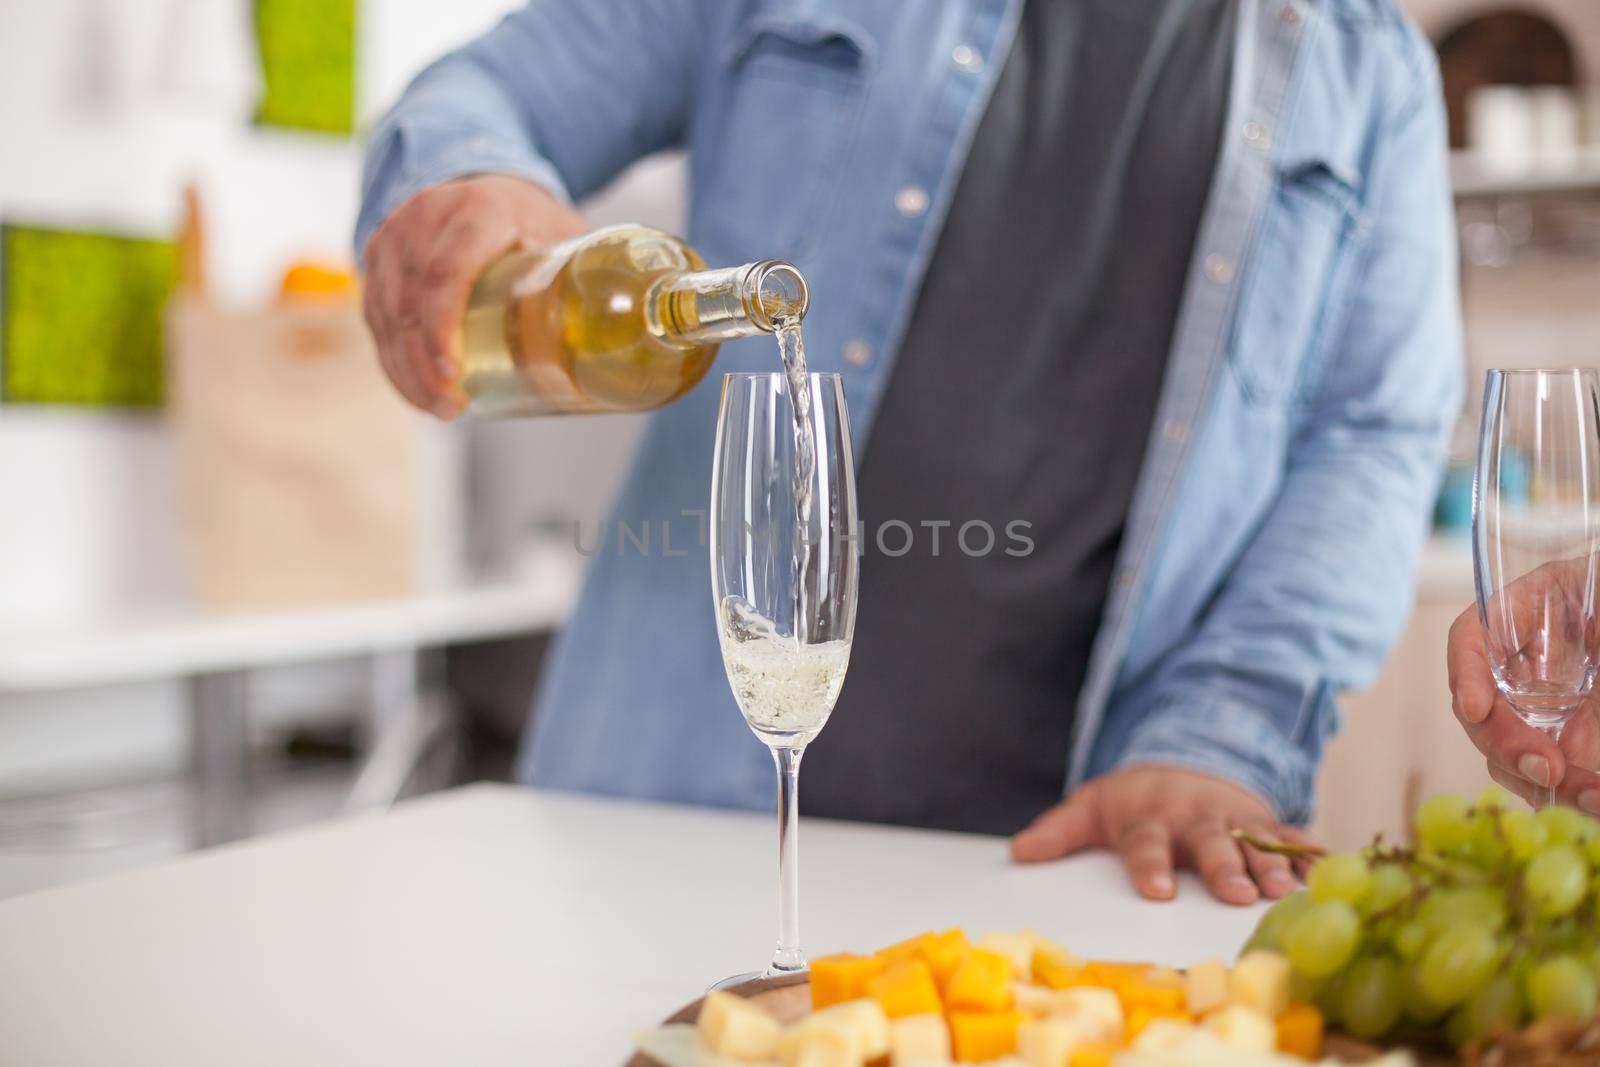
(564, 93)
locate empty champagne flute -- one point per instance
(784, 567)
(1535, 540)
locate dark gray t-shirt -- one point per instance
(1025, 390)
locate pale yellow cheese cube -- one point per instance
(1206, 987)
(1261, 981)
(733, 1027)
(826, 1048)
(865, 1018)
(820, 1041)
(1037, 999)
(1016, 947)
(1041, 943)
(1098, 1010)
(1051, 1042)
(1164, 1036)
(918, 1039)
(1244, 1028)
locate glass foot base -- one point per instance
(736, 980)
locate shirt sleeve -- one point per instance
(1324, 587)
(564, 93)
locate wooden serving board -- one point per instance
(788, 999)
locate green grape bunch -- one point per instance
(1488, 921)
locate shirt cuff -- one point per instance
(1236, 742)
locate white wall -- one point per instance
(108, 108)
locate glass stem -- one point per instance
(1547, 797)
(788, 957)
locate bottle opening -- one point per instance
(776, 294)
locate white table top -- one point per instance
(493, 925)
(189, 641)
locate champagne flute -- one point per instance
(1536, 540)
(784, 567)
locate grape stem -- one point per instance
(1281, 848)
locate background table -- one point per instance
(215, 653)
(493, 926)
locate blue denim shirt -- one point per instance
(1268, 556)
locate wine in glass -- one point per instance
(1536, 540)
(784, 569)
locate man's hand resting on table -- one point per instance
(1160, 818)
(421, 264)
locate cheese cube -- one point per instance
(1244, 1028)
(1260, 981)
(1042, 943)
(900, 951)
(1142, 1016)
(1017, 947)
(1050, 1042)
(981, 983)
(943, 952)
(836, 979)
(1098, 1010)
(822, 1047)
(1099, 1054)
(1058, 970)
(906, 989)
(1158, 999)
(733, 1027)
(919, 1039)
(1166, 977)
(820, 1040)
(1206, 988)
(1300, 1031)
(1164, 1036)
(980, 1036)
(1037, 1000)
(864, 1018)
(1113, 974)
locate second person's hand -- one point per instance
(1521, 758)
(421, 264)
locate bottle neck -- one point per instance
(709, 307)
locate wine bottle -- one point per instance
(625, 318)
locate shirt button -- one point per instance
(1176, 430)
(857, 354)
(911, 201)
(1255, 133)
(967, 58)
(1219, 268)
(1125, 581)
(1290, 15)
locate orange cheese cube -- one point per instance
(1098, 1054)
(836, 979)
(979, 1036)
(1054, 971)
(944, 952)
(1143, 1016)
(1114, 975)
(981, 983)
(1300, 1031)
(1159, 999)
(905, 989)
(900, 951)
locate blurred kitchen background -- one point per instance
(242, 588)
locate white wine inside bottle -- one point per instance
(626, 318)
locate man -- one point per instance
(1171, 282)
